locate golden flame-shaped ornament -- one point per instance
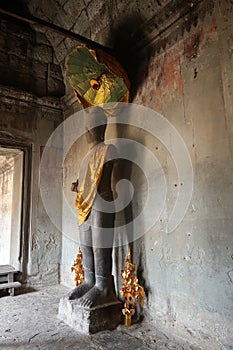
(131, 291)
(78, 268)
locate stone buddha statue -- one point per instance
(95, 189)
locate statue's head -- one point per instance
(96, 123)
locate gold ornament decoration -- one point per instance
(78, 268)
(131, 291)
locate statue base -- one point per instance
(90, 320)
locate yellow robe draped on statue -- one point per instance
(89, 185)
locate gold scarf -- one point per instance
(88, 188)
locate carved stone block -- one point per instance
(90, 320)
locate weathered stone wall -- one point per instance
(30, 111)
(27, 61)
(189, 272)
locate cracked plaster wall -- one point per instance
(189, 272)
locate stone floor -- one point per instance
(29, 321)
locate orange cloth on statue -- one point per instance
(88, 188)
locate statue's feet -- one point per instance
(99, 295)
(95, 297)
(79, 291)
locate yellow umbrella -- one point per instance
(96, 77)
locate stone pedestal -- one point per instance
(90, 320)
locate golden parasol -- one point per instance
(96, 77)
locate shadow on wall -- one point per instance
(124, 40)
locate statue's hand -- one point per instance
(74, 186)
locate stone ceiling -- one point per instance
(118, 24)
(96, 19)
(127, 27)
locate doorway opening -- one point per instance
(11, 190)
